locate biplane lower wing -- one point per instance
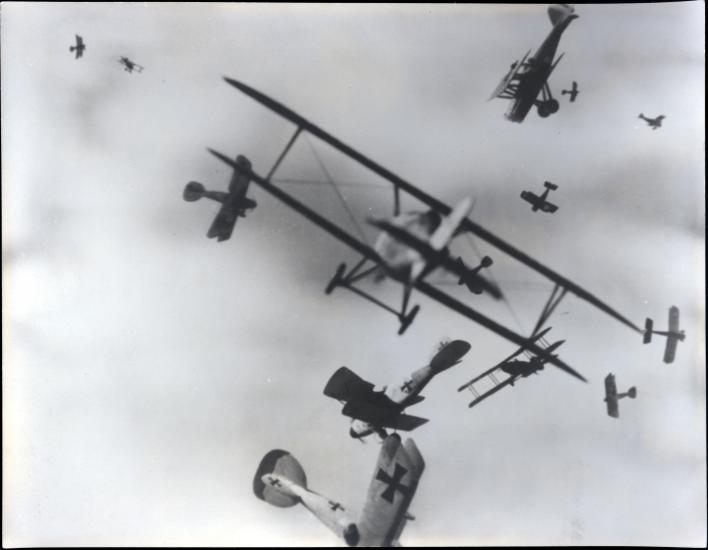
(670, 349)
(503, 86)
(400, 183)
(392, 488)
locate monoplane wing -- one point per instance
(611, 396)
(223, 225)
(401, 184)
(393, 485)
(345, 385)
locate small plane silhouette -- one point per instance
(573, 91)
(79, 48)
(653, 122)
(130, 66)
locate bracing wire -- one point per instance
(339, 193)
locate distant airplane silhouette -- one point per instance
(130, 66)
(653, 122)
(79, 48)
(573, 91)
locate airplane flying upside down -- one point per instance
(281, 481)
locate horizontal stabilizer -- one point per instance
(283, 464)
(344, 385)
(549, 185)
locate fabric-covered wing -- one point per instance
(344, 385)
(611, 396)
(670, 349)
(391, 491)
(549, 207)
(529, 197)
(378, 414)
(673, 319)
(223, 224)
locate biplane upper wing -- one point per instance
(366, 251)
(392, 488)
(399, 183)
(530, 197)
(345, 385)
(673, 319)
(611, 396)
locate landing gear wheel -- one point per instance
(553, 106)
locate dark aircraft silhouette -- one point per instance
(612, 397)
(79, 48)
(130, 66)
(235, 203)
(372, 410)
(673, 335)
(573, 91)
(653, 122)
(527, 78)
(540, 202)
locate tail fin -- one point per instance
(449, 355)
(559, 13)
(283, 464)
(632, 392)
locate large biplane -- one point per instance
(673, 335)
(528, 77)
(281, 481)
(425, 243)
(372, 410)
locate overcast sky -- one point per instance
(147, 369)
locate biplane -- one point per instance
(673, 335)
(539, 202)
(573, 92)
(79, 48)
(372, 410)
(612, 397)
(235, 203)
(130, 66)
(435, 256)
(529, 76)
(514, 368)
(653, 122)
(281, 481)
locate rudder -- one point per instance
(284, 464)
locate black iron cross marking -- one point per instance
(406, 387)
(394, 483)
(334, 506)
(274, 482)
